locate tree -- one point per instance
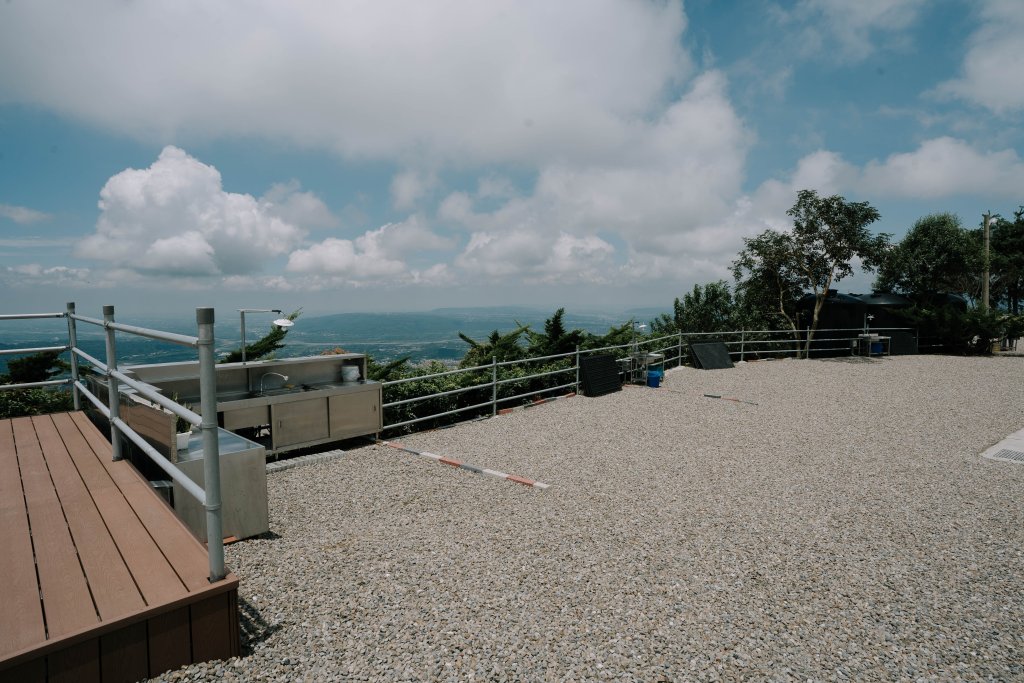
(706, 309)
(1007, 261)
(828, 234)
(38, 367)
(768, 283)
(500, 346)
(617, 335)
(555, 339)
(265, 345)
(936, 255)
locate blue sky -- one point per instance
(597, 154)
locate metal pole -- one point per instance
(743, 340)
(243, 335)
(577, 368)
(113, 392)
(984, 278)
(211, 452)
(494, 386)
(73, 343)
(679, 358)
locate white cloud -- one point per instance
(671, 178)
(992, 74)
(849, 30)
(22, 215)
(304, 209)
(495, 187)
(944, 167)
(537, 256)
(409, 236)
(385, 80)
(335, 256)
(409, 186)
(175, 218)
(940, 167)
(373, 256)
(38, 276)
(33, 242)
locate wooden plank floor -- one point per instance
(101, 582)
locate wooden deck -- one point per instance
(100, 580)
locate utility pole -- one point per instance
(984, 278)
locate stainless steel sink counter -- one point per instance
(234, 400)
(285, 403)
(183, 378)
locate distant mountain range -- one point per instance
(420, 336)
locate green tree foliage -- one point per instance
(21, 402)
(936, 255)
(388, 371)
(617, 335)
(664, 324)
(38, 367)
(768, 281)
(555, 339)
(265, 345)
(500, 346)
(1007, 261)
(969, 332)
(706, 309)
(828, 234)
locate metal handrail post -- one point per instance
(243, 334)
(494, 386)
(211, 451)
(73, 344)
(743, 342)
(577, 368)
(113, 386)
(679, 351)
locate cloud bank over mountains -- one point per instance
(574, 142)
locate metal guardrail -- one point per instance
(794, 344)
(210, 496)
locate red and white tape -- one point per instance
(451, 462)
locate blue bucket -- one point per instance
(876, 348)
(654, 379)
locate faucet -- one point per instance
(264, 376)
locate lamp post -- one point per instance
(280, 322)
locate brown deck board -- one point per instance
(21, 612)
(101, 581)
(110, 582)
(67, 605)
(175, 540)
(124, 655)
(170, 644)
(154, 575)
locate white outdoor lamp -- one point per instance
(280, 322)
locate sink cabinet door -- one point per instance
(246, 417)
(299, 421)
(355, 414)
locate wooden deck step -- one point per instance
(102, 582)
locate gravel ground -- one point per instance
(844, 528)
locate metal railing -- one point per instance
(742, 344)
(210, 496)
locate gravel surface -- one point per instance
(844, 528)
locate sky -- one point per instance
(385, 155)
